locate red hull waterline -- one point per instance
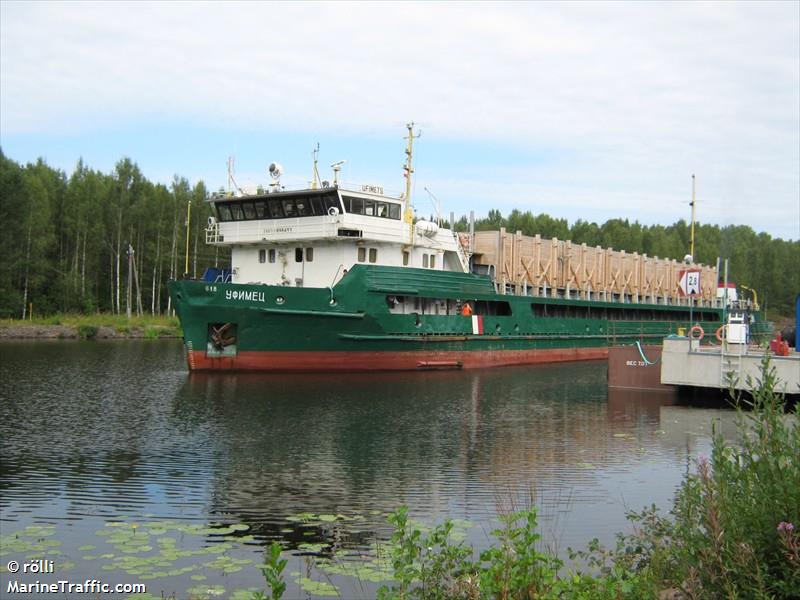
(287, 362)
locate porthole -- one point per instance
(280, 300)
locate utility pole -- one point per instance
(130, 281)
(693, 202)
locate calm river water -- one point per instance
(119, 465)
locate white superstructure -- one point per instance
(309, 238)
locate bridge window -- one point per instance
(272, 255)
(433, 261)
(224, 212)
(317, 205)
(405, 258)
(303, 207)
(362, 254)
(332, 201)
(372, 208)
(373, 255)
(298, 255)
(275, 210)
(261, 209)
(356, 206)
(262, 256)
(424, 261)
(309, 254)
(288, 207)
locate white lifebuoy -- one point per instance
(333, 211)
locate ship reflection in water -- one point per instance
(100, 431)
(450, 444)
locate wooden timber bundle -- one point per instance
(540, 267)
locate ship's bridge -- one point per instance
(327, 213)
(312, 237)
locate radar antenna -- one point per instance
(337, 166)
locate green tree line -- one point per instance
(96, 242)
(66, 242)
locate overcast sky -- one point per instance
(579, 110)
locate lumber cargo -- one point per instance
(531, 265)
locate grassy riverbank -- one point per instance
(94, 326)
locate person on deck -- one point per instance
(466, 310)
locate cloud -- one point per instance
(631, 92)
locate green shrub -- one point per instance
(726, 541)
(87, 332)
(273, 574)
(733, 531)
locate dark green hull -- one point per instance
(354, 325)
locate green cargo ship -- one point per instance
(337, 278)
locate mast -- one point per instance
(188, 220)
(315, 180)
(691, 243)
(408, 169)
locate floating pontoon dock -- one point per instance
(685, 362)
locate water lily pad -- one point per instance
(317, 588)
(243, 594)
(463, 523)
(198, 577)
(302, 517)
(206, 591)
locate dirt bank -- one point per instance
(69, 332)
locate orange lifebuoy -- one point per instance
(697, 328)
(720, 336)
